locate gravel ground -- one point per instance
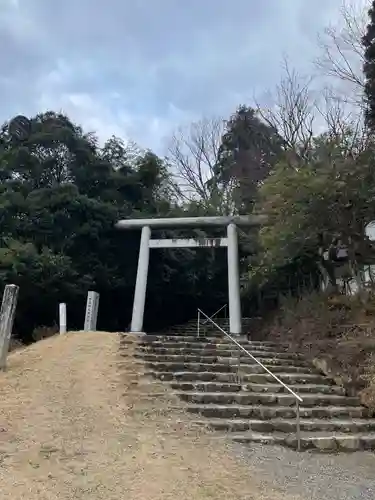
(313, 476)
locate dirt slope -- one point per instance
(78, 422)
(337, 333)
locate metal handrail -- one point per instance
(296, 396)
(217, 312)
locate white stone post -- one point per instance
(141, 283)
(92, 307)
(233, 281)
(95, 312)
(7, 314)
(62, 318)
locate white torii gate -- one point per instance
(231, 242)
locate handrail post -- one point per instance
(238, 367)
(298, 426)
(198, 321)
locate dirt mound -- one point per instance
(79, 421)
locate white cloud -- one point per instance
(104, 112)
(139, 69)
(85, 110)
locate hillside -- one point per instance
(336, 332)
(77, 421)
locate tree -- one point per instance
(45, 279)
(320, 209)
(249, 149)
(341, 54)
(369, 69)
(292, 113)
(193, 156)
(53, 154)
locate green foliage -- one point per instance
(60, 196)
(45, 279)
(310, 207)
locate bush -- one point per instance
(43, 332)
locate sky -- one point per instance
(139, 69)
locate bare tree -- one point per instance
(193, 155)
(341, 52)
(344, 125)
(300, 112)
(292, 111)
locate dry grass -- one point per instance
(79, 421)
(336, 333)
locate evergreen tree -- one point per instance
(369, 68)
(248, 151)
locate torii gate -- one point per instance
(231, 242)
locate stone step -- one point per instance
(194, 327)
(193, 333)
(226, 367)
(254, 398)
(163, 339)
(205, 386)
(202, 331)
(192, 358)
(203, 345)
(222, 351)
(189, 337)
(323, 442)
(202, 323)
(271, 412)
(202, 326)
(288, 426)
(211, 339)
(287, 378)
(300, 389)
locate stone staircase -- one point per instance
(246, 401)
(206, 328)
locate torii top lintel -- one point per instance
(238, 220)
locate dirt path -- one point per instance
(76, 422)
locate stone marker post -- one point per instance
(92, 307)
(7, 314)
(62, 318)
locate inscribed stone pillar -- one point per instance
(7, 314)
(92, 307)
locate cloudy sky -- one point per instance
(141, 68)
